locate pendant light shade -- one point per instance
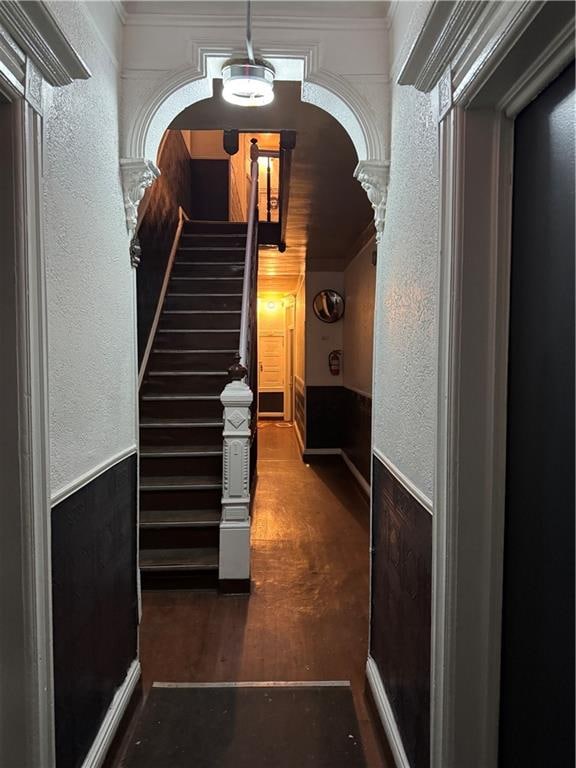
(248, 82)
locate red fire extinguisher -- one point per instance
(334, 359)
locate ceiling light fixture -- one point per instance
(248, 82)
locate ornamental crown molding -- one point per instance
(137, 175)
(485, 53)
(35, 29)
(373, 176)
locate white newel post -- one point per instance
(235, 524)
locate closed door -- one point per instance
(271, 377)
(537, 676)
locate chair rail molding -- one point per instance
(373, 177)
(137, 175)
(487, 61)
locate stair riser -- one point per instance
(199, 580)
(174, 361)
(195, 285)
(176, 538)
(201, 339)
(200, 320)
(181, 409)
(186, 499)
(215, 227)
(180, 466)
(183, 269)
(214, 240)
(190, 252)
(152, 436)
(175, 300)
(185, 385)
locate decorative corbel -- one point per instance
(137, 175)
(373, 176)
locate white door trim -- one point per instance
(33, 49)
(487, 62)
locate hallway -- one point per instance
(307, 616)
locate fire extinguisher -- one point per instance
(334, 359)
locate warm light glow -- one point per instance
(271, 305)
(248, 93)
(248, 84)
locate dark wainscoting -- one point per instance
(300, 406)
(324, 417)
(357, 430)
(271, 402)
(401, 608)
(156, 233)
(95, 608)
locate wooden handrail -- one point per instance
(182, 217)
(250, 260)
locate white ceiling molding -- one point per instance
(35, 29)
(12, 67)
(476, 40)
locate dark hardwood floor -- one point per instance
(307, 616)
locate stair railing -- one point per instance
(237, 400)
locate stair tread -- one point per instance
(202, 312)
(187, 373)
(205, 277)
(179, 559)
(210, 263)
(176, 518)
(198, 330)
(179, 397)
(158, 421)
(166, 351)
(179, 450)
(180, 482)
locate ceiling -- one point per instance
(302, 8)
(329, 213)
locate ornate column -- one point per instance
(373, 176)
(234, 567)
(137, 175)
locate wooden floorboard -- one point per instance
(307, 615)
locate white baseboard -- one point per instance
(105, 735)
(354, 469)
(386, 714)
(299, 437)
(339, 452)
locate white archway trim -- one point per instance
(326, 90)
(373, 176)
(329, 91)
(137, 175)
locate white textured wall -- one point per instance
(405, 348)
(359, 287)
(90, 282)
(322, 338)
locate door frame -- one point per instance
(33, 51)
(482, 63)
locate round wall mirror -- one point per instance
(328, 306)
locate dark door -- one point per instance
(537, 683)
(209, 190)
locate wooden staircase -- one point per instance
(180, 410)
